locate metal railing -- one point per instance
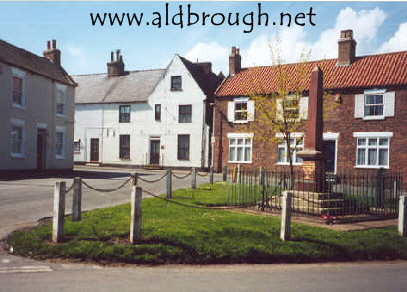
(343, 197)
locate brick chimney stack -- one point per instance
(235, 61)
(346, 48)
(115, 67)
(52, 53)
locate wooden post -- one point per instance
(135, 223)
(402, 226)
(134, 178)
(59, 211)
(77, 199)
(211, 176)
(193, 178)
(224, 173)
(169, 183)
(286, 216)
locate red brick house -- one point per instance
(366, 131)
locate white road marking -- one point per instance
(25, 269)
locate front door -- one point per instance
(40, 149)
(330, 155)
(154, 151)
(94, 150)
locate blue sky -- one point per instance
(378, 27)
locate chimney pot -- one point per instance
(54, 44)
(115, 67)
(48, 45)
(111, 56)
(52, 53)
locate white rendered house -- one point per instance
(36, 110)
(145, 118)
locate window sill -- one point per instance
(125, 159)
(185, 122)
(240, 122)
(16, 105)
(179, 159)
(373, 118)
(17, 156)
(287, 163)
(371, 167)
(124, 122)
(176, 89)
(237, 162)
(61, 115)
(60, 157)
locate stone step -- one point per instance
(332, 203)
(317, 196)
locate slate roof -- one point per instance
(17, 57)
(133, 87)
(381, 70)
(208, 82)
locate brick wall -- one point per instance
(341, 120)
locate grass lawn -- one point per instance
(176, 234)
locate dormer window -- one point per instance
(176, 83)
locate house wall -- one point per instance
(39, 111)
(91, 118)
(340, 120)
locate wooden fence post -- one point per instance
(193, 178)
(134, 178)
(169, 183)
(402, 226)
(135, 223)
(59, 212)
(224, 173)
(211, 176)
(238, 173)
(285, 232)
(77, 199)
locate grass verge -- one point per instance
(175, 234)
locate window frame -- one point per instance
(297, 147)
(236, 111)
(61, 130)
(17, 73)
(157, 113)
(184, 113)
(77, 142)
(124, 117)
(365, 104)
(176, 88)
(122, 147)
(186, 148)
(18, 123)
(370, 136)
(244, 146)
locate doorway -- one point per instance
(41, 149)
(330, 155)
(155, 151)
(94, 150)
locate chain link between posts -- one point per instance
(187, 205)
(203, 175)
(182, 177)
(151, 181)
(69, 189)
(106, 190)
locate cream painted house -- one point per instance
(36, 110)
(145, 118)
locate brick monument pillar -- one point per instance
(313, 164)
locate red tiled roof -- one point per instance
(25, 60)
(368, 71)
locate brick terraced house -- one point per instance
(367, 130)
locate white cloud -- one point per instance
(398, 42)
(77, 55)
(294, 41)
(212, 52)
